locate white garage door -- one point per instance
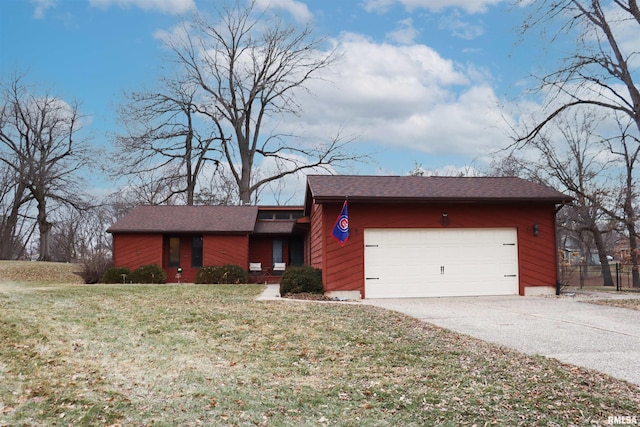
(440, 262)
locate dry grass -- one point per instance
(41, 273)
(601, 295)
(632, 303)
(212, 355)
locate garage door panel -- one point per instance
(424, 289)
(440, 262)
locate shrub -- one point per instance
(228, 273)
(206, 275)
(94, 267)
(232, 273)
(114, 275)
(301, 279)
(148, 274)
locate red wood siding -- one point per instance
(260, 250)
(307, 248)
(317, 237)
(135, 250)
(188, 272)
(537, 254)
(222, 249)
(343, 267)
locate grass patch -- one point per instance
(632, 303)
(39, 273)
(169, 355)
(607, 289)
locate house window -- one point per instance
(174, 251)
(196, 251)
(265, 215)
(279, 215)
(277, 250)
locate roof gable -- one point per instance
(327, 188)
(192, 219)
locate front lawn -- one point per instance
(169, 355)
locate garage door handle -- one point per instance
(509, 275)
(372, 278)
(370, 246)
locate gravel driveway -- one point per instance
(566, 328)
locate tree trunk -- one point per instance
(602, 256)
(244, 186)
(245, 193)
(44, 227)
(8, 236)
(188, 152)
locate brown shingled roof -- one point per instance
(326, 188)
(180, 219)
(274, 227)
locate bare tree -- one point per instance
(599, 173)
(162, 134)
(571, 156)
(66, 241)
(627, 147)
(574, 160)
(79, 236)
(599, 72)
(218, 189)
(250, 66)
(510, 165)
(14, 226)
(37, 138)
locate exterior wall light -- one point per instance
(444, 220)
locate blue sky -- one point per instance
(419, 81)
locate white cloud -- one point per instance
(298, 10)
(469, 6)
(378, 6)
(41, 7)
(172, 7)
(403, 97)
(459, 27)
(405, 34)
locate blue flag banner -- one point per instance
(341, 228)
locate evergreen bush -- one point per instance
(114, 275)
(148, 274)
(301, 279)
(206, 275)
(225, 274)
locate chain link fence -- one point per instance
(583, 276)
